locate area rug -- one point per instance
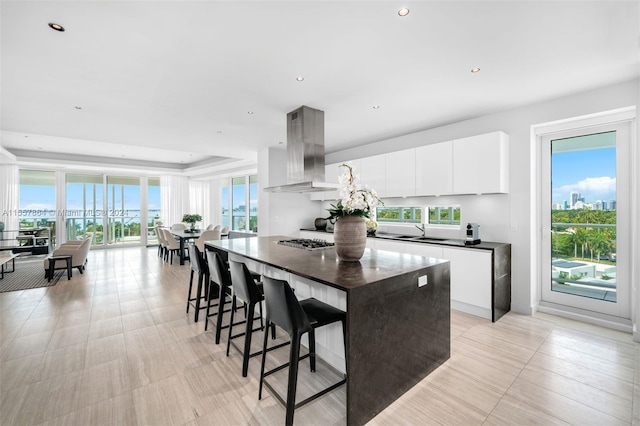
(29, 273)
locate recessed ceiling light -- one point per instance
(26, 136)
(376, 107)
(403, 12)
(280, 143)
(219, 131)
(40, 147)
(250, 112)
(77, 107)
(475, 70)
(299, 78)
(56, 27)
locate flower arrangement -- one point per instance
(191, 219)
(372, 226)
(355, 200)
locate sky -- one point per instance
(38, 197)
(592, 173)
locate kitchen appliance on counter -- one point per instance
(306, 243)
(473, 236)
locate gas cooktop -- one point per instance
(306, 243)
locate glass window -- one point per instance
(444, 215)
(253, 203)
(239, 204)
(123, 209)
(224, 202)
(84, 207)
(153, 208)
(399, 214)
(38, 201)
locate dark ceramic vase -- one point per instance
(320, 224)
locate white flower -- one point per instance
(355, 199)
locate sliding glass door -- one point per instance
(123, 210)
(84, 207)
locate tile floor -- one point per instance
(114, 346)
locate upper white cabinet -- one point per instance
(373, 173)
(434, 169)
(400, 170)
(481, 164)
(473, 165)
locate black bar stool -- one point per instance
(199, 266)
(296, 318)
(245, 289)
(220, 283)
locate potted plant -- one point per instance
(191, 219)
(356, 204)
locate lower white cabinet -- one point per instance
(471, 280)
(472, 272)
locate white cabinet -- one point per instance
(426, 250)
(434, 169)
(373, 173)
(481, 164)
(400, 171)
(471, 280)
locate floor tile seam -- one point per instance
(508, 355)
(520, 400)
(615, 416)
(604, 345)
(33, 353)
(564, 360)
(606, 361)
(584, 383)
(604, 371)
(590, 336)
(505, 340)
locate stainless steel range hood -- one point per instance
(305, 151)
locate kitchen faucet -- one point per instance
(423, 228)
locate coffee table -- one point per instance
(4, 261)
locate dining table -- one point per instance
(184, 235)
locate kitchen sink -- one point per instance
(405, 237)
(429, 239)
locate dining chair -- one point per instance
(172, 246)
(178, 226)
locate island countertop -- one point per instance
(398, 327)
(323, 265)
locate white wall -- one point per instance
(278, 213)
(507, 218)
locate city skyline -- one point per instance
(591, 173)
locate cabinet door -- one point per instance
(373, 173)
(400, 170)
(425, 250)
(434, 169)
(389, 245)
(470, 278)
(480, 164)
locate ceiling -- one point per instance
(172, 83)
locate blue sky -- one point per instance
(592, 173)
(36, 197)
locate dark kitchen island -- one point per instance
(397, 330)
